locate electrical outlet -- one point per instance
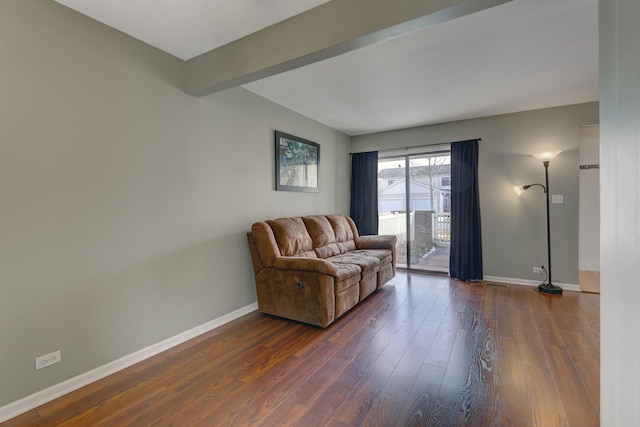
(48, 359)
(538, 270)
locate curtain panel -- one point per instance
(465, 260)
(364, 192)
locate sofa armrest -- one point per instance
(306, 264)
(377, 242)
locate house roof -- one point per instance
(415, 171)
(417, 188)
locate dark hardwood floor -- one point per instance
(422, 351)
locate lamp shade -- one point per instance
(546, 155)
(519, 189)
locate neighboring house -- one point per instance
(430, 188)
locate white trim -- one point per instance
(588, 268)
(27, 403)
(565, 286)
(421, 149)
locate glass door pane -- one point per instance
(392, 203)
(429, 202)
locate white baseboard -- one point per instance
(27, 403)
(565, 286)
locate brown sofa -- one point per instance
(313, 269)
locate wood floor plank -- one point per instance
(546, 407)
(587, 364)
(263, 397)
(421, 403)
(421, 351)
(578, 406)
(371, 386)
(323, 409)
(385, 409)
(512, 395)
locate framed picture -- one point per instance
(297, 164)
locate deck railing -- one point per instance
(442, 227)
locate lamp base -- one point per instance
(548, 288)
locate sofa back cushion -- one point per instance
(291, 236)
(343, 232)
(322, 235)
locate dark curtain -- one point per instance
(364, 192)
(465, 262)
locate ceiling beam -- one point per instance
(328, 30)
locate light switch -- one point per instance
(557, 199)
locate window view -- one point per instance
(413, 203)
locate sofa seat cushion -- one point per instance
(347, 273)
(365, 262)
(384, 255)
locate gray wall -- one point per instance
(514, 229)
(619, 212)
(124, 201)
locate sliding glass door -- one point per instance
(413, 203)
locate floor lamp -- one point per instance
(545, 157)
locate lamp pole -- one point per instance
(549, 287)
(545, 157)
(546, 181)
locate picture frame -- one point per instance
(297, 163)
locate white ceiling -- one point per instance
(522, 55)
(188, 28)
